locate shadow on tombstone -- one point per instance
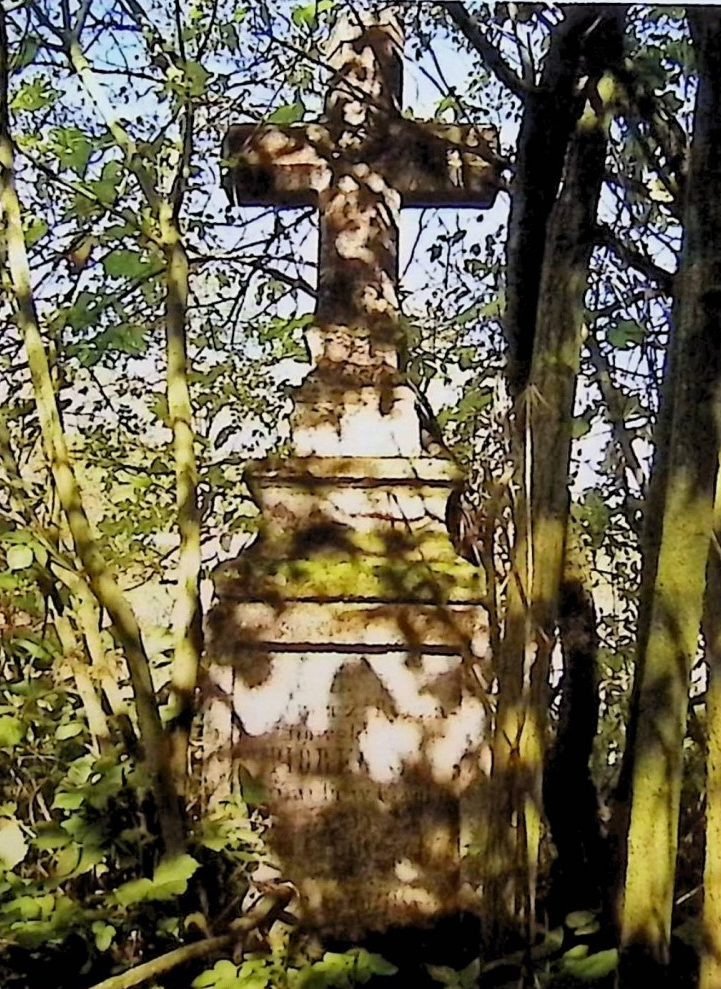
(347, 645)
(347, 676)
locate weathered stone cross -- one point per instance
(359, 166)
(343, 640)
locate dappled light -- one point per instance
(360, 512)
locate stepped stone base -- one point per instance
(347, 646)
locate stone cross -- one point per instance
(358, 167)
(345, 642)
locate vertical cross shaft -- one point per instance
(359, 208)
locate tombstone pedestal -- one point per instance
(345, 644)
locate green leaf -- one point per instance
(466, 316)
(449, 102)
(579, 918)
(223, 975)
(253, 974)
(368, 963)
(12, 731)
(291, 113)
(444, 975)
(626, 333)
(123, 263)
(13, 846)
(580, 426)
(346, 969)
(473, 402)
(103, 933)
(25, 53)
(71, 147)
(468, 976)
(69, 799)
(306, 15)
(177, 869)
(576, 953)
(106, 187)
(467, 357)
(19, 557)
(196, 77)
(594, 967)
(126, 338)
(50, 836)
(68, 859)
(34, 95)
(35, 230)
(70, 730)
(134, 891)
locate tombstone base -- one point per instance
(346, 646)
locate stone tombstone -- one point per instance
(345, 644)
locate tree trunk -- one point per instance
(187, 617)
(544, 433)
(710, 975)
(674, 583)
(570, 800)
(549, 114)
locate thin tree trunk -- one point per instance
(544, 434)
(97, 722)
(187, 618)
(710, 974)
(187, 614)
(675, 586)
(549, 114)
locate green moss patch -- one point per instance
(366, 577)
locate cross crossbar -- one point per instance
(359, 166)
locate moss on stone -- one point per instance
(340, 577)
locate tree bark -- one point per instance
(543, 442)
(675, 572)
(187, 618)
(549, 114)
(710, 974)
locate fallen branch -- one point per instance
(265, 911)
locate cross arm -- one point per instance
(428, 163)
(435, 164)
(275, 166)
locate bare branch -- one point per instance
(633, 258)
(206, 37)
(469, 27)
(615, 401)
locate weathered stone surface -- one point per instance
(359, 166)
(344, 499)
(356, 640)
(349, 642)
(362, 755)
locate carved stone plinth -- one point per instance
(346, 644)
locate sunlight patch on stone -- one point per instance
(386, 745)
